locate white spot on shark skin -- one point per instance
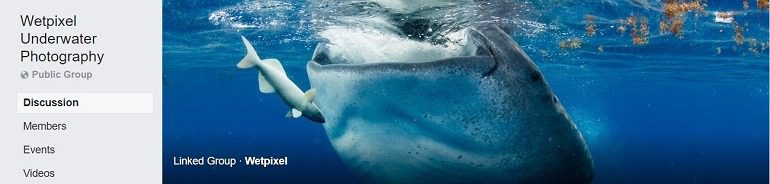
(457, 118)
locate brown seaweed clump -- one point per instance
(631, 21)
(640, 34)
(674, 15)
(622, 26)
(676, 28)
(738, 35)
(590, 26)
(663, 27)
(640, 29)
(763, 4)
(572, 43)
(674, 8)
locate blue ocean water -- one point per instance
(675, 110)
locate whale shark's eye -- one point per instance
(536, 76)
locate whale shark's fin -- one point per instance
(310, 95)
(251, 57)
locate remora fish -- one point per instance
(487, 116)
(273, 79)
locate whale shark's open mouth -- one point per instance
(357, 46)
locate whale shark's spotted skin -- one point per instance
(488, 116)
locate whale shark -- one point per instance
(273, 79)
(486, 115)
